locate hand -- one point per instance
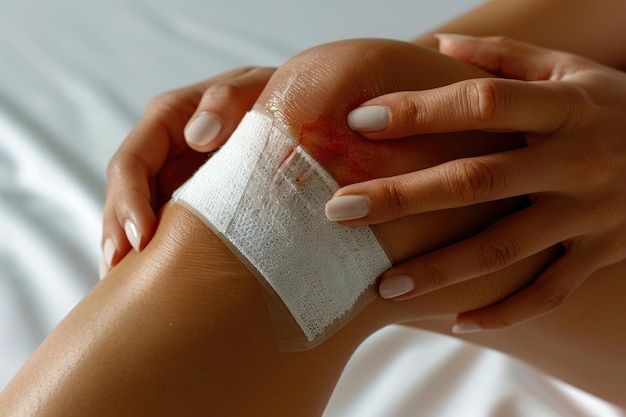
(574, 167)
(161, 153)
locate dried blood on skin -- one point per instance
(344, 153)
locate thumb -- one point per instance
(222, 107)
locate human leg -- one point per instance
(182, 327)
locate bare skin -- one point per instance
(182, 329)
(154, 159)
(140, 176)
(593, 29)
(572, 112)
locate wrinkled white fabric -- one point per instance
(266, 195)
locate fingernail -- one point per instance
(368, 118)
(103, 269)
(203, 129)
(109, 251)
(395, 286)
(465, 327)
(133, 234)
(347, 207)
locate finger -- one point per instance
(130, 174)
(516, 237)
(453, 184)
(507, 57)
(549, 291)
(114, 245)
(476, 104)
(129, 209)
(222, 107)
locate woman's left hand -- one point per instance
(168, 145)
(573, 113)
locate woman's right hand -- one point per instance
(571, 111)
(166, 147)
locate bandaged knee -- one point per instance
(264, 195)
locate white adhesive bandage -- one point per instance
(266, 195)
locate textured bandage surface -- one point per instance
(266, 195)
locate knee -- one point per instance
(312, 94)
(336, 77)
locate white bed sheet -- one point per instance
(75, 76)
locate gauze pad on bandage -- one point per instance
(265, 195)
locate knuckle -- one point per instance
(474, 180)
(434, 277)
(115, 167)
(160, 102)
(172, 105)
(576, 107)
(395, 194)
(155, 102)
(497, 252)
(412, 116)
(480, 100)
(121, 166)
(222, 92)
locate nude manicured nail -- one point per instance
(466, 327)
(396, 286)
(347, 207)
(203, 129)
(133, 234)
(368, 118)
(108, 251)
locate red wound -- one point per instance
(342, 152)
